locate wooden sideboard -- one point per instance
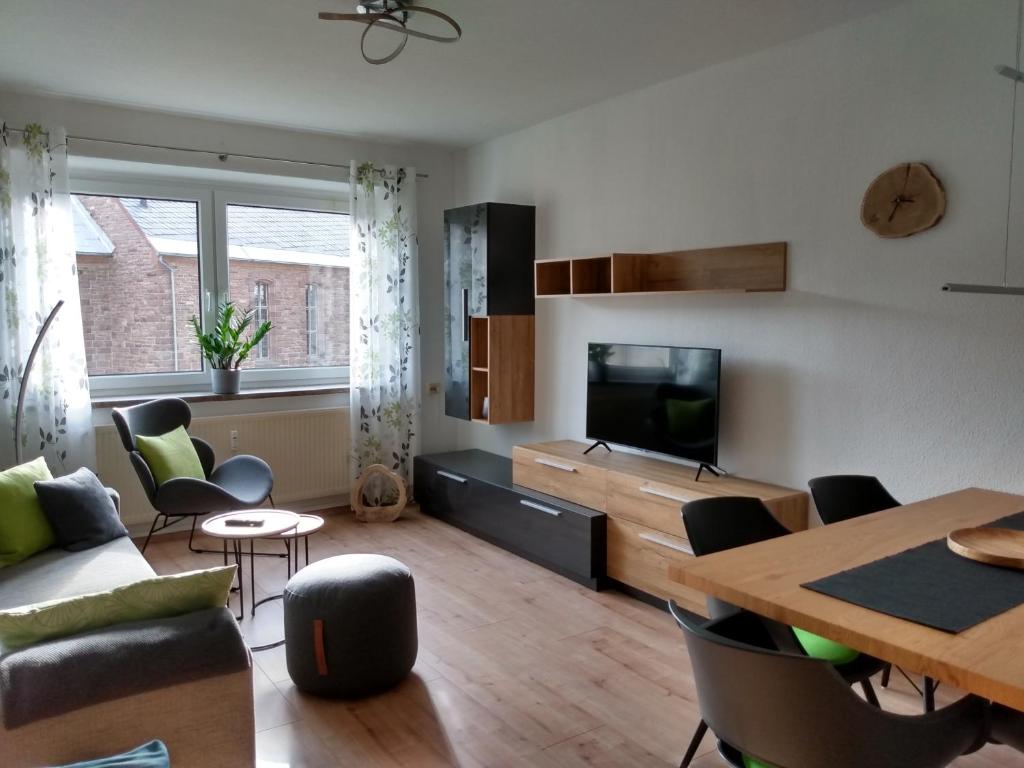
(642, 498)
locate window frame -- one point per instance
(261, 314)
(313, 321)
(213, 200)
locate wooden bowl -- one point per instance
(995, 546)
(383, 514)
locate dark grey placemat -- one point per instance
(931, 585)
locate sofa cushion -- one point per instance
(71, 673)
(170, 455)
(79, 510)
(56, 573)
(150, 755)
(23, 527)
(152, 598)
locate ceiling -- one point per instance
(519, 61)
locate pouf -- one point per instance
(350, 625)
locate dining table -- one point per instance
(766, 578)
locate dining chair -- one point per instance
(726, 522)
(844, 497)
(771, 708)
(241, 482)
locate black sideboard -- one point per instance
(473, 490)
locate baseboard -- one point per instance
(139, 530)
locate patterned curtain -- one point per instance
(38, 269)
(385, 323)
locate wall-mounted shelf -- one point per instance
(501, 351)
(758, 267)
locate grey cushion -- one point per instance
(80, 510)
(63, 675)
(367, 608)
(56, 573)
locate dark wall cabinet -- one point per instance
(488, 277)
(473, 490)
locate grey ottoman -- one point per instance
(350, 625)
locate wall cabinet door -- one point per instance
(465, 294)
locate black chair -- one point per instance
(726, 522)
(794, 711)
(842, 497)
(241, 482)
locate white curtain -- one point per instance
(385, 323)
(38, 269)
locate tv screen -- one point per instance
(662, 399)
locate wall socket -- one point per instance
(433, 388)
(234, 439)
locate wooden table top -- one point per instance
(987, 659)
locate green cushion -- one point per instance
(818, 647)
(24, 529)
(750, 762)
(155, 598)
(171, 455)
(690, 419)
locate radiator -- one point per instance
(308, 451)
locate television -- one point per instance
(659, 399)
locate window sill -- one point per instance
(209, 397)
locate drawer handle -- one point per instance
(541, 507)
(663, 494)
(450, 476)
(662, 542)
(556, 465)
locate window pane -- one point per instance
(291, 267)
(138, 273)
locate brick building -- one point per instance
(138, 274)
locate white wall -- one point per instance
(434, 194)
(863, 365)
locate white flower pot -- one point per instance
(225, 381)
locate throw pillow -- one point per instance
(151, 755)
(156, 598)
(23, 527)
(80, 510)
(170, 455)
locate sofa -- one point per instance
(185, 680)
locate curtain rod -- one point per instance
(220, 155)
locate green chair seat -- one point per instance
(818, 647)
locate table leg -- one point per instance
(252, 577)
(307, 552)
(236, 546)
(929, 695)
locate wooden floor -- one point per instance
(517, 667)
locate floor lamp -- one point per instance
(24, 380)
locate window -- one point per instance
(261, 314)
(312, 321)
(154, 252)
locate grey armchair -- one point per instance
(792, 710)
(241, 482)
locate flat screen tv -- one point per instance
(660, 399)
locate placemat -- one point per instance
(931, 585)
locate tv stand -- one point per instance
(599, 442)
(716, 471)
(642, 497)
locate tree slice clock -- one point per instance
(902, 201)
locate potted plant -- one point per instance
(225, 349)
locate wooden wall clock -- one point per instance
(902, 201)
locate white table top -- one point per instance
(275, 522)
(307, 524)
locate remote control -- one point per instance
(241, 522)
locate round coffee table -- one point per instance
(269, 523)
(308, 525)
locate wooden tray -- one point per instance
(995, 546)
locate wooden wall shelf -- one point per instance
(743, 268)
(501, 349)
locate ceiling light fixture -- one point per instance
(394, 15)
(1016, 76)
